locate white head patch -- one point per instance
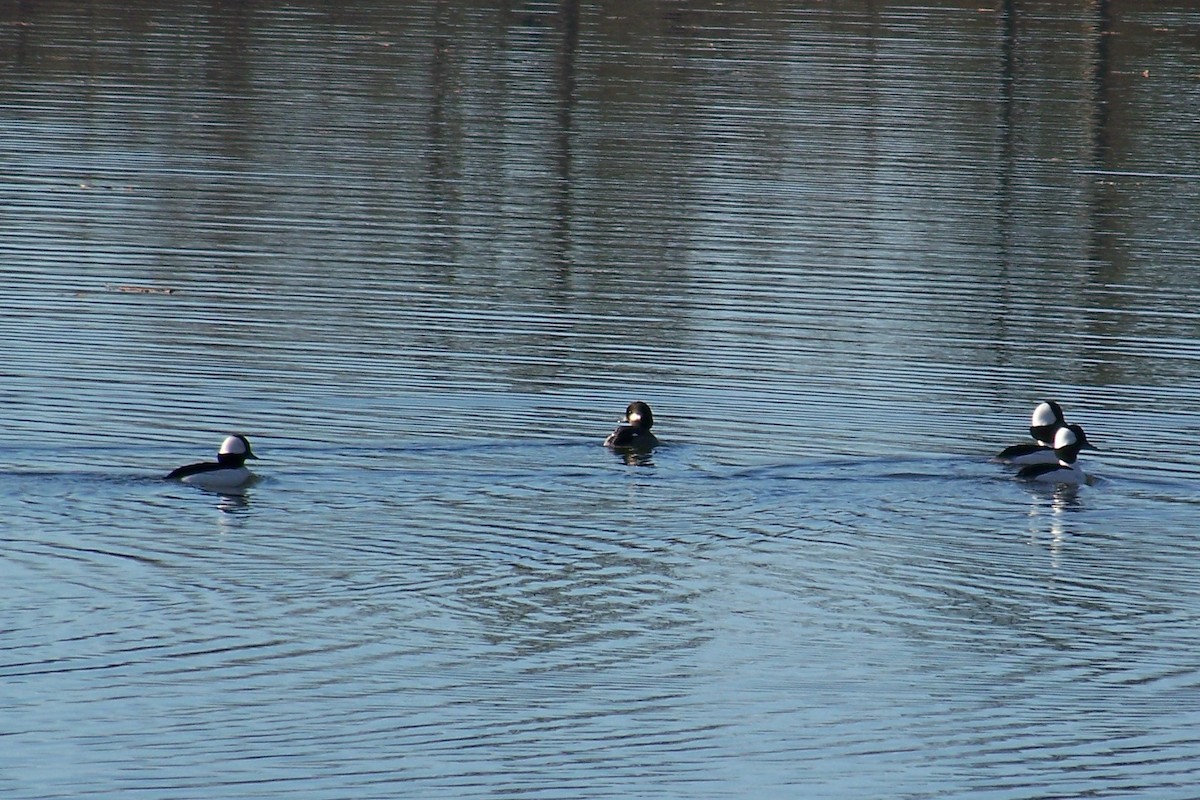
(1043, 415)
(1064, 438)
(233, 445)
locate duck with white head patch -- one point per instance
(227, 473)
(1067, 443)
(634, 428)
(1045, 422)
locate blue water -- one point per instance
(424, 257)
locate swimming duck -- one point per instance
(1067, 443)
(1047, 419)
(634, 429)
(228, 472)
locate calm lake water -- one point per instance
(424, 254)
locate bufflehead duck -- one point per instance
(634, 429)
(1067, 443)
(228, 472)
(1046, 421)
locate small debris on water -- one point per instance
(144, 289)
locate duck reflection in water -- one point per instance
(231, 503)
(632, 437)
(1049, 519)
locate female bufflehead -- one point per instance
(1067, 443)
(1046, 421)
(634, 429)
(228, 472)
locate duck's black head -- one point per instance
(1045, 421)
(1069, 440)
(639, 415)
(235, 450)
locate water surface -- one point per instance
(423, 258)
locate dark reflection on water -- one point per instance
(420, 254)
(635, 458)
